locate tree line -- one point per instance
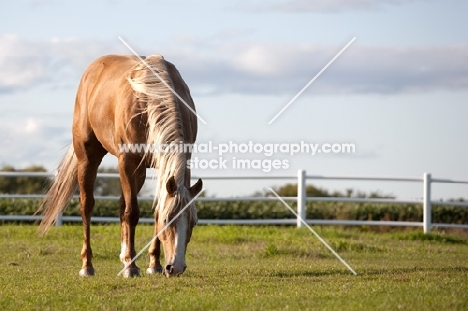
(38, 185)
(112, 187)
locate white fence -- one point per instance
(301, 198)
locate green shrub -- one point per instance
(266, 210)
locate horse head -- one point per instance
(176, 224)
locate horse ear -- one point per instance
(195, 189)
(171, 186)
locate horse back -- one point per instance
(105, 103)
(107, 108)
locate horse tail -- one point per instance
(60, 192)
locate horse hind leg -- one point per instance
(89, 157)
(132, 177)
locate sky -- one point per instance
(399, 92)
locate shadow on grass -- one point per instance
(396, 271)
(367, 272)
(306, 273)
(437, 237)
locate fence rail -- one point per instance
(301, 199)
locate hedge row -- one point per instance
(267, 210)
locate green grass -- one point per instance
(239, 268)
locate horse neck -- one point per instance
(164, 122)
(172, 164)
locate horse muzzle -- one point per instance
(174, 270)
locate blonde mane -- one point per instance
(164, 127)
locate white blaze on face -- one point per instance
(123, 249)
(180, 243)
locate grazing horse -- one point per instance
(121, 101)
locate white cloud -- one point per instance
(20, 65)
(249, 68)
(257, 61)
(32, 142)
(276, 68)
(25, 63)
(319, 6)
(31, 125)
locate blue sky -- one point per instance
(399, 92)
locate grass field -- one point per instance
(239, 268)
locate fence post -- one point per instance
(427, 210)
(301, 197)
(58, 221)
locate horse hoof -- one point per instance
(157, 270)
(131, 272)
(85, 272)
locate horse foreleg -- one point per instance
(154, 254)
(127, 251)
(132, 177)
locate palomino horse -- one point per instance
(120, 101)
